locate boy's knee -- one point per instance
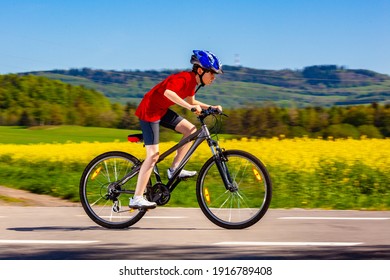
(154, 157)
(190, 130)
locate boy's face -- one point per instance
(208, 77)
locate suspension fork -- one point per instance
(220, 161)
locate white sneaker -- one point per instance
(139, 202)
(183, 173)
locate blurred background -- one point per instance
(312, 76)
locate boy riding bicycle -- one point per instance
(154, 111)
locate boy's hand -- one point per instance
(218, 107)
(196, 109)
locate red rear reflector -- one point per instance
(133, 139)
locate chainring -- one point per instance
(159, 193)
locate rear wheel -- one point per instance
(247, 199)
(106, 203)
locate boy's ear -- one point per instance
(200, 70)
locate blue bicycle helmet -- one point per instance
(207, 61)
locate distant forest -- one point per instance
(310, 78)
(28, 100)
(318, 85)
(31, 101)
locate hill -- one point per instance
(321, 85)
(30, 100)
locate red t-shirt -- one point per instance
(154, 105)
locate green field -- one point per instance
(60, 134)
(75, 134)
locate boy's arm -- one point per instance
(171, 95)
(193, 101)
(189, 103)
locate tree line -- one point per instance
(371, 121)
(309, 77)
(31, 100)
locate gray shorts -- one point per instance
(151, 130)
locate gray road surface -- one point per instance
(174, 233)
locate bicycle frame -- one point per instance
(198, 137)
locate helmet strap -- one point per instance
(198, 88)
(201, 77)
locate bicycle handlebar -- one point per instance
(210, 111)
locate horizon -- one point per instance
(184, 69)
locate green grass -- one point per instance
(76, 134)
(61, 134)
(8, 199)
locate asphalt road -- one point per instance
(66, 233)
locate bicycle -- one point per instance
(233, 188)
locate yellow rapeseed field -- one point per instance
(300, 154)
(305, 172)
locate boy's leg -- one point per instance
(150, 132)
(138, 201)
(152, 154)
(186, 128)
(175, 122)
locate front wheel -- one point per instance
(247, 198)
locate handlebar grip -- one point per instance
(212, 110)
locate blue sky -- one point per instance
(161, 34)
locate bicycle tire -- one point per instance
(95, 183)
(239, 208)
